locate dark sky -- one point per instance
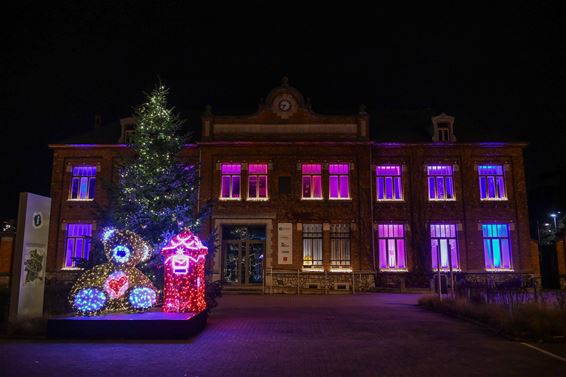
(61, 64)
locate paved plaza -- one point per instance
(345, 335)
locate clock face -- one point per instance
(284, 105)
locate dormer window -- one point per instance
(128, 126)
(443, 128)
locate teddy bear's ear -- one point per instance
(107, 233)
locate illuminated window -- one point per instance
(496, 247)
(77, 243)
(230, 181)
(339, 185)
(257, 182)
(83, 183)
(388, 182)
(340, 245)
(492, 182)
(391, 240)
(444, 243)
(440, 182)
(312, 181)
(312, 245)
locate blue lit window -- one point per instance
(497, 247)
(492, 182)
(83, 183)
(77, 243)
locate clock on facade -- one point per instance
(285, 106)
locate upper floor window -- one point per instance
(257, 182)
(312, 181)
(391, 241)
(83, 183)
(230, 181)
(338, 178)
(496, 247)
(440, 182)
(388, 182)
(444, 246)
(492, 182)
(312, 245)
(77, 243)
(340, 245)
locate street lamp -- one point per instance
(553, 215)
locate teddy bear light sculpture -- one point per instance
(117, 285)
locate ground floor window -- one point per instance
(312, 245)
(391, 241)
(497, 247)
(340, 245)
(444, 244)
(77, 243)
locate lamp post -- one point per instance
(553, 215)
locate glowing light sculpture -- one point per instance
(117, 285)
(184, 274)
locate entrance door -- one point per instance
(243, 261)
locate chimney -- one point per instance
(97, 121)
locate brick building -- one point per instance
(308, 202)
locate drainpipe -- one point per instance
(371, 209)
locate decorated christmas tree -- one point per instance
(157, 193)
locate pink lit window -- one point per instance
(497, 247)
(440, 182)
(257, 181)
(339, 185)
(444, 244)
(77, 243)
(388, 182)
(230, 181)
(391, 240)
(312, 181)
(492, 182)
(83, 183)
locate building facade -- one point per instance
(303, 202)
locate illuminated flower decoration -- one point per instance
(184, 274)
(117, 285)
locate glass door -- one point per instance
(243, 261)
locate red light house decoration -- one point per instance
(184, 274)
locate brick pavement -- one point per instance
(361, 335)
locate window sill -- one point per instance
(230, 199)
(340, 199)
(341, 269)
(494, 200)
(443, 270)
(257, 199)
(441, 200)
(314, 269)
(80, 200)
(393, 270)
(313, 199)
(72, 269)
(390, 200)
(499, 270)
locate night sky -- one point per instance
(505, 68)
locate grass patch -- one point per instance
(531, 321)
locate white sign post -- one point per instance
(30, 257)
(285, 243)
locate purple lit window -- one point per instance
(496, 246)
(77, 243)
(340, 245)
(312, 181)
(339, 187)
(230, 181)
(312, 245)
(83, 183)
(444, 244)
(492, 182)
(440, 182)
(388, 182)
(257, 181)
(391, 240)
